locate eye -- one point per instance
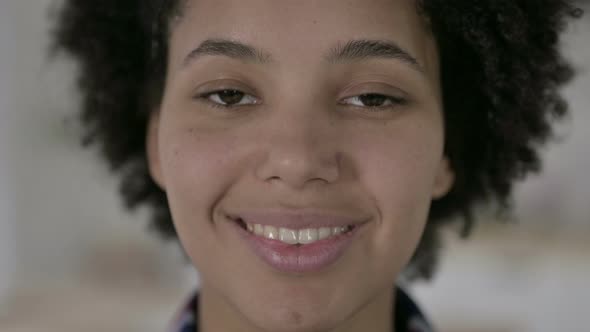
(374, 100)
(228, 98)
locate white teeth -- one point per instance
(271, 232)
(324, 232)
(290, 236)
(307, 236)
(259, 230)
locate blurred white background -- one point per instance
(71, 256)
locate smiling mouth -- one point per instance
(297, 237)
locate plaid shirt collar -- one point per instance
(407, 316)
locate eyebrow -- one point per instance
(353, 50)
(357, 50)
(229, 48)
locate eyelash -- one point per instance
(393, 101)
(206, 97)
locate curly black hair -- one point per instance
(501, 68)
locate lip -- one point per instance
(298, 219)
(298, 259)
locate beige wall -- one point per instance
(7, 219)
(63, 204)
(560, 196)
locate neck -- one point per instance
(216, 314)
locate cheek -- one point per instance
(399, 175)
(399, 172)
(187, 158)
(197, 169)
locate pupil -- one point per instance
(231, 97)
(373, 100)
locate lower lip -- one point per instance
(298, 259)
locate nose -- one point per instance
(299, 151)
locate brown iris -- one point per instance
(373, 99)
(230, 97)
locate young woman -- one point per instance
(306, 153)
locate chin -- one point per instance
(288, 316)
(293, 321)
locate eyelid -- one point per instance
(393, 103)
(223, 84)
(399, 99)
(357, 89)
(205, 97)
(203, 92)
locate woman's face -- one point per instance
(307, 116)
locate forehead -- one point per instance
(302, 30)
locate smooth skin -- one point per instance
(301, 126)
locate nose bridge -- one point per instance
(299, 147)
(297, 129)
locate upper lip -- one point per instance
(298, 219)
